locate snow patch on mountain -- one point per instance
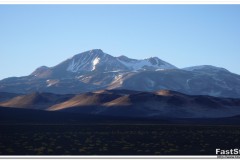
(51, 82)
(72, 66)
(95, 62)
(136, 65)
(75, 65)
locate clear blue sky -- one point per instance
(184, 35)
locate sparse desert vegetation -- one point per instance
(116, 139)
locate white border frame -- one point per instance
(16, 2)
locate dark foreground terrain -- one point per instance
(34, 132)
(118, 139)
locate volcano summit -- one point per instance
(95, 70)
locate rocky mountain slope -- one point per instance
(95, 70)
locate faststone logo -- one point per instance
(228, 153)
(235, 151)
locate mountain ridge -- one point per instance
(95, 70)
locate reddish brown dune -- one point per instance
(87, 99)
(35, 100)
(124, 102)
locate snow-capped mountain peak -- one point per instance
(152, 63)
(93, 60)
(97, 60)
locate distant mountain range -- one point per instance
(127, 103)
(95, 70)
